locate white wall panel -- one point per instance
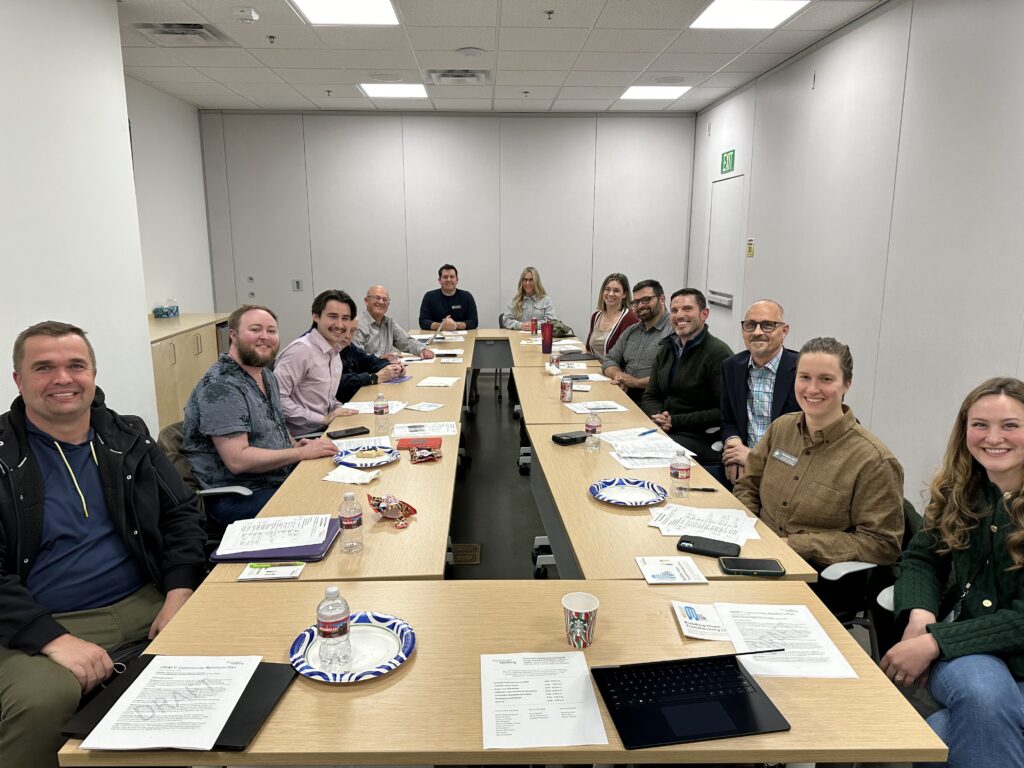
(547, 208)
(356, 205)
(218, 210)
(451, 181)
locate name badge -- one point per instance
(456, 306)
(785, 458)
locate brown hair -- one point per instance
(623, 281)
(53, 328)
(236, 317)
(830, 346)
(952, 511)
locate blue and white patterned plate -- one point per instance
(350, 458)
(379, 644)
(627, 492)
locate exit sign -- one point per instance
(729, 161)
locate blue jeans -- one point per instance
(226, 508)
(983, 720)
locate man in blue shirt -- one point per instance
(448, 308)
(100, 541)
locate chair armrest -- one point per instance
(836, 571)
(885, 598)
(240, 490)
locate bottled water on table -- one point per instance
(332, 631)
(350, 514)
(679, 474)
(593, 429)
(381, 415)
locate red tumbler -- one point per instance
(547, 333)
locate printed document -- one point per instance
(671, 570)
(698, 621)
(425, 406)
(426, 429)
(456, 352)
(808, 650)
(438, 381)
(348, 443)
(538, 700)
(273, 533)
(394, 406)
(177, 702)
(595, 406)
(732, 525)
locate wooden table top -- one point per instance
(539, 397)
(428, 711)
(606, 538)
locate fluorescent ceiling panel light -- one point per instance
(394, 90)
(354, 12)
(666, 92)
(747, 14)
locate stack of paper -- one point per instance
(732, 525)
(263, 533)
(394, 406)
(595, 406)
(456, 352)
(671, 570)
(348, 443)
(438, 381)
(427, 428)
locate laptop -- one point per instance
(682, 700)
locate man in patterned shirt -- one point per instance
(757, 385)
(378, 334)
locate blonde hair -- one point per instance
(952, 512)
(622, 280)
(538, 291)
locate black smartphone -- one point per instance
(569, 438)
(698, 545)
(350, 432)
(751, 566)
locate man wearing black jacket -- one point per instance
(100, 541)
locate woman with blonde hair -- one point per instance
(961, 585)
(613, 315)
(531, 302)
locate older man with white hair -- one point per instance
(379, 334)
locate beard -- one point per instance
(251, 357)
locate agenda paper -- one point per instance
(177, 702)
(262, 533)
(538, 700)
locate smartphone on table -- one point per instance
(751, 566)
(350, 432)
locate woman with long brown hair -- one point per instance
(961, 585)
(613, 315)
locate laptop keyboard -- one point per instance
(674, 682)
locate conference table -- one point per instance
(428, 710)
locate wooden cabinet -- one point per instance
(183, 349)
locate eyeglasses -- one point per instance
(379, 299)
(645, 301)
(749, 326)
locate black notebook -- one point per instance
(265, 688)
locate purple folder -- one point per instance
(307, 554)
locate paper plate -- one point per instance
(349, 457)
(626, 492)
(379, 644)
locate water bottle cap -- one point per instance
(349, 496)
(332, 593)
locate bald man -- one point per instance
(378, 334)
(757, 385)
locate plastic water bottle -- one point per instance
(679, 474)
(332, 630)
(593, 429)
(381, 415)
(350, 513)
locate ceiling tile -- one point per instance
(638, 105)
(584, 77)
(344, 104)
(451, 60)
(460, 91)
(448, 13)
(198, 90)
(717, 40)
(567, 13)
(530, 77)
(788, 41)
(685, 106)
(339, 92)
(678, 78)
(830, 15)
(538, 93)
(139, 11)
(272, 95)
(350, 76)
(132, 39)
(582, 105)
(363, 38)
(728, 79)
(627, 40)
(698, 94)
(610, 92)
(270, 11)
(240, 74)
(533, 39)
(651, 14)
(691, 62)
(756, 62)
(464, 105)
(148, 57)
(275, 58)
(404, 105)
(522, 105)
(216, 57)
(285, 36)
(452, 38)
(228, 101)
(535, 60)
(180, 74)
(613, 62)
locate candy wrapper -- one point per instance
(392, 508)
(419, 455)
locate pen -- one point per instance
(704, 490)
(272, 565)
(647, 432)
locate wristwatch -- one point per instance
(373, 378)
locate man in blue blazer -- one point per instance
(757, 385)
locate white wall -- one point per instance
(68, 217)
(355, 199)
(884, 205)
(171, 201)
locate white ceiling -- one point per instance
(579, 60)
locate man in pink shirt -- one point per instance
(309, 369)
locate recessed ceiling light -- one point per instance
(386, 77)
(666, 92)
(394, 90)
(355, 12)
(747, 14)
(470, 50)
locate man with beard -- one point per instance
(629, 362)
(235, 431)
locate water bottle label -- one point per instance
(679, 473)
(380, 409)
(592, 429)
(332, 629)
(352, 521)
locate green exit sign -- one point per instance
(729, 161)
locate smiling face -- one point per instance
(332, 322)
(57, 380)
(995, 438)
(687, 317)
(648, 306)
(449, 280)
(377, 302)
(820, 387)
(764, 344)
(612, 295)
(256, 342)
(528, 282)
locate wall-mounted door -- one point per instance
(724, 288)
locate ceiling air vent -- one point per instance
(168, 35)
(458, 76)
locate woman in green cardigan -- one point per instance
(961, 585)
